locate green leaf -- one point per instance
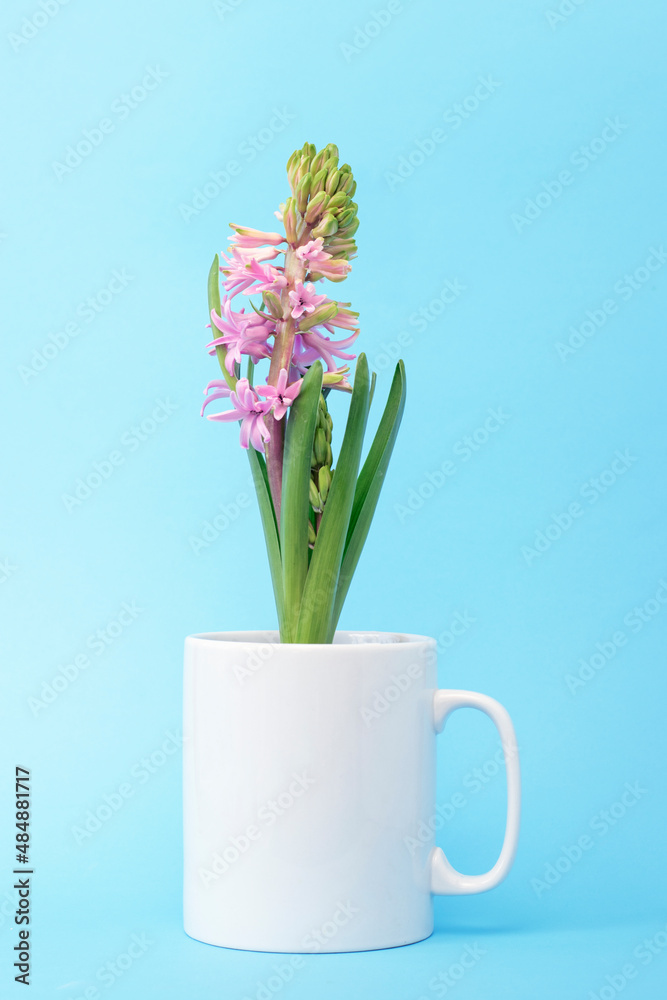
(322, 580)
(372, 391)
(214, 303)
(294, 503)
(368, 488)
(267, 513)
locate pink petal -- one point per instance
(226, 416)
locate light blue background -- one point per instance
(555, 84)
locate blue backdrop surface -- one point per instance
(510, 161)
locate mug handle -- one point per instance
(445, 880)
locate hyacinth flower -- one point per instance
(315, 513)
(304, 299)
(280, 396)
(248, 408)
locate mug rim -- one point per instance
(249, 637)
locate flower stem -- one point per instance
(295, 270)
(275, 450)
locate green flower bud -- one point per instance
(338, 242)
(351, 228)
(332, 150)
(312, 537)
(272, 303)
(314, 497)
(327, 226)
(302, 192)
(341, 247)
(344, 254)
(322, 412)
(330, 165)
(333, 181)
(316, 207)
(324, 482)
(292, 165)
(318, 162)
(346, 216)
(321, 458)
(345, 184)
(320, 447)
(301, 171)
(319, 180)
(339, 200)
(289, 220)
(320, 315)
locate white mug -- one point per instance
(309, 791)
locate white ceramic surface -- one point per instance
(309, 791)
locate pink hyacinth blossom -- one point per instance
(249, 276)
(237, 276)
(345, 319)
(338, 379)
(318, 260)
(229, 323)
(222, 391)
(245, 236)
(312, 252)
(250, 410)
(334, 270)
(280, 395)
(302, 356)
(315, 345)
(252, 346)
(266, 278)
(304, 299)
(255, 253)
(241, 334)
